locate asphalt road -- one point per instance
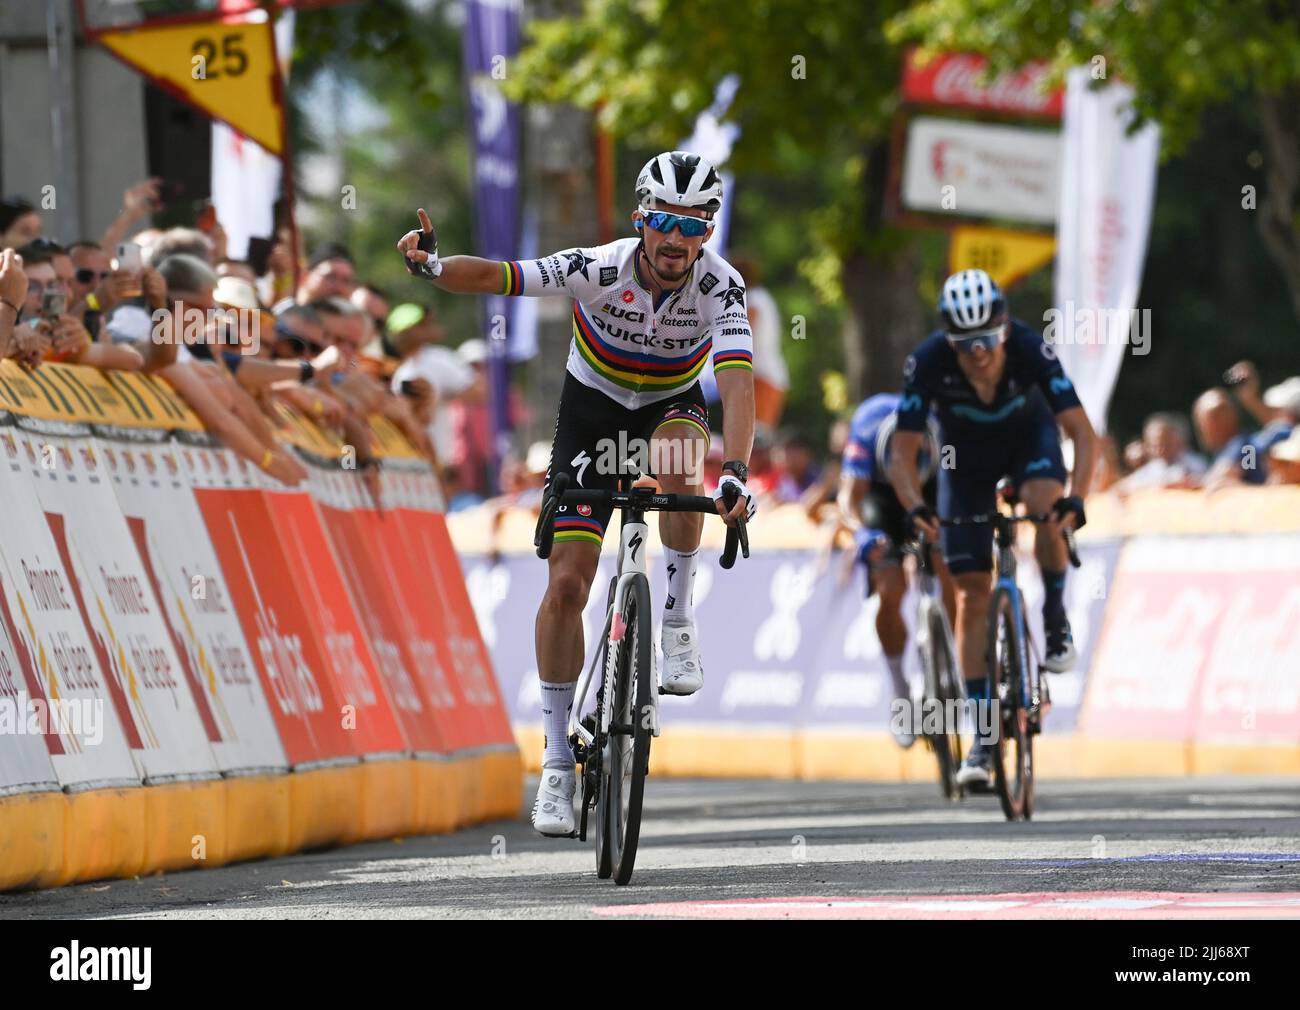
(1095, 849)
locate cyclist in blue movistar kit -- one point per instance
(871, 509)
(999, 393)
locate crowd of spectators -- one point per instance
(234, 342)
(1245, 437)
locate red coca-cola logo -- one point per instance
(956, 79)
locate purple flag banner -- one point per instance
(491, 38)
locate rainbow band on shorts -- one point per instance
(732, 359)
(512, 278)
(571, 528)
(686, 417)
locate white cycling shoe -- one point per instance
(553, 809)
(682, 672)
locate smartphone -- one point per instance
(129, 257)
(54, 303)
(259, 251)
(408, 388)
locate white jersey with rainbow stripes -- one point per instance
(631, 349)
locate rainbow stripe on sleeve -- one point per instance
(512, 278)
(733, 359)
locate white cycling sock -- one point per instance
(557, 699)
(895, 664)
(679, 607)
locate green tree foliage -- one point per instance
(398, 72)
(816, 101)
(1182, 57)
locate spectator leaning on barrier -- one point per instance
(1284, 460)
(331, 273)
(299, 333)
(416, 335)
(1239, 458)
(1170, 463)
(20, 223)
(61, 335)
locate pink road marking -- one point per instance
(1047, 905)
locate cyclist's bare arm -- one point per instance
(905, 476)
(736, 389)
(853, 492)
(462, 275)
(1078, 429)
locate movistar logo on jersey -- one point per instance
(988, 416)
(1060, 384)
(1038, 464)
(909, 402)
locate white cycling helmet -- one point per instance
(680, 178)
(971, 300)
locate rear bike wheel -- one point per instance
(627, 749)
(941, 685)
(1013, 751)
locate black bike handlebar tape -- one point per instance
(1070, 549)
(729, 496)
(544, 538)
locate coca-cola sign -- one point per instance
(954, 79)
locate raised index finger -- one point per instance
(425, 223)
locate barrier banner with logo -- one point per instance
(429, 546)
(388, 622)
(1202, 642)
(788, 639)
(307, 708)
(87, 747)
(183, 570)
(169, 726)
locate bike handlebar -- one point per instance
(643, 499)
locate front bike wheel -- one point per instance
(627, 750)
(604, 860)
(941, 685)
(1013, 761)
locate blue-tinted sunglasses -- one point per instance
(691, 227)
(983, 340)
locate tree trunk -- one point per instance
(886, 318)
(1279, 209)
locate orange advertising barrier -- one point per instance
(323, 648)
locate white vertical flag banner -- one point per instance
(245, 177)
(1108, 182)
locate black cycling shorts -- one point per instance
(882, 510)
(595, 434)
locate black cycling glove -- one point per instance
(1070, 505)
(923, 512)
